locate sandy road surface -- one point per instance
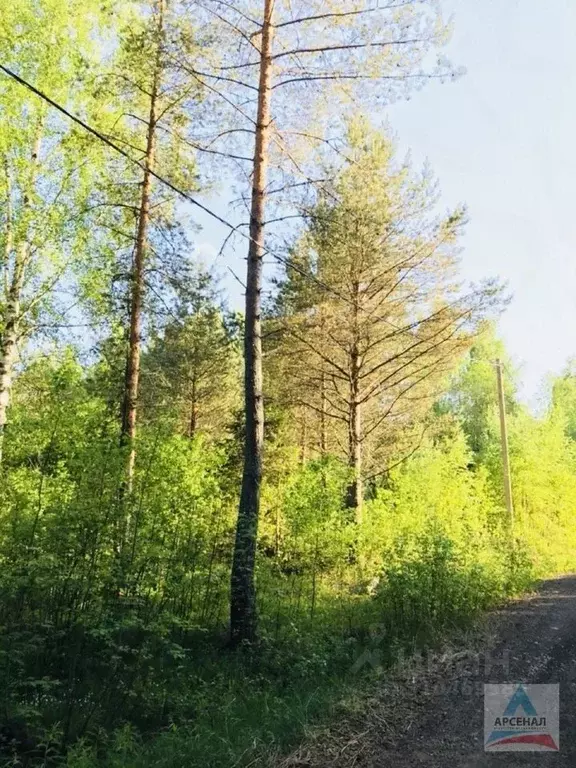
(435, 717)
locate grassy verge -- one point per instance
(144, 696)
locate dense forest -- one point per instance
(210, 519)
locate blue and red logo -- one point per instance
(522, 726)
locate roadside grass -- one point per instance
(161, 696)
(246, 710)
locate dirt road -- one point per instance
(434, 716)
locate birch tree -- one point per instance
(44, 168)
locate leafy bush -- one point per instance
(429, 588)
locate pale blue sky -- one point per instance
(502, 139)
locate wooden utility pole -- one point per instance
(504, 439)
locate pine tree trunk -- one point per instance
(192, 425)
(10, 334)
(132, 380)
(323, 397)
(355, 496)
(243, 619)
(323, 405)
(303, 439)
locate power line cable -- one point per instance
(163, 180)
(112, 145)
